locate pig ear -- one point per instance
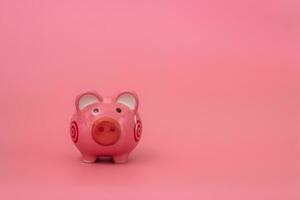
(87, 98)
(129, 99)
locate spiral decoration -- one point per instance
(138, 130)
(74, 131)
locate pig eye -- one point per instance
(118, 110)
(96, 110)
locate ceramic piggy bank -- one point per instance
(106, 127)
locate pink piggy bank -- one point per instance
(103, 127)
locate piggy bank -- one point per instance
(106, 127)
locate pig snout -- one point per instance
(106, 131)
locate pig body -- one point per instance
(108, 127)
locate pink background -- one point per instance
(218, 84)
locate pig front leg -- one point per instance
(121, 158)
(88, 158)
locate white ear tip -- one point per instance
(128, 100)
(86, 100)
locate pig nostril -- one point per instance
(112, 129)
(101, 129)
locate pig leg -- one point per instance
(88, 158)
(121, 158)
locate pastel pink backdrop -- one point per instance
(218, 83)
